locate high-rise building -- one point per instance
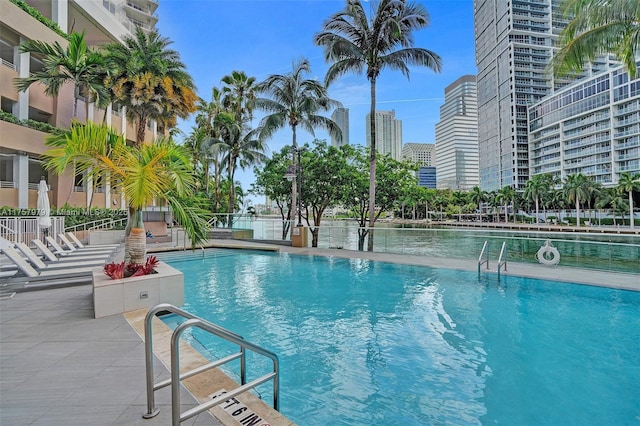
(591, 127)
(21, 142)
(457, 136)
(341, 118)
(423, 154)
(514, 44)
(388, 133)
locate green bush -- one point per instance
(33, 124)
(35, 13)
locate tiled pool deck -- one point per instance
(59, 366)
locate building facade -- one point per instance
(388, 133)
(427, 177)
(21, 142)
(590, 127)
(341, 117)
(457, 136)
(423, 154)
(514, 44)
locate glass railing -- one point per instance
(603, 249)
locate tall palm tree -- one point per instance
(478, 196)
(459, 199)
(295, 101)
(150, 80)
(75, 64)
(629, 183)
(240, 145)
(576, 190)
(598, 27)
(505, 195)
(535, 188)
(159, 170)
(355, 43)
(211, 119)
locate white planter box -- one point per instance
(112, 297)
(106, 237)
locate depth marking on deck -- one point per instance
(239, 411)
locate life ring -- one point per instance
(548, 255)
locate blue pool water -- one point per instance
(363, 342)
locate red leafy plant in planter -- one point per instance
(121, 270)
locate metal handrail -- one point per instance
(176, 377)
(480, 261)
(503, 251)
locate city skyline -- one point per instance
(270, 35)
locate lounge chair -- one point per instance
(40, 265)
(57, 249)
(49, 255)
(75, 240)
(32, 274)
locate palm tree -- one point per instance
(354, 43)
(598, 27)
(240, 145)
(537, 186)
(478, 196)
(75, 64)
(576, 189)
(628, 183)
(506, 195)
(150, 80)
(159, 170)
(459, 199)
(211, 118)
(295, 101)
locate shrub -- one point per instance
(120, 270)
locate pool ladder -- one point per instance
(176, 377)
(501, 262)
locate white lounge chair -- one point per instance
(77, 242)
(48, 254)
(57, 249)
(40, 265)
(32, 274)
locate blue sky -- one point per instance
(264, 37)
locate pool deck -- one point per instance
(60, 366)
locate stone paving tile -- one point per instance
(61, 367)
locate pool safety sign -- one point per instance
(240, 412)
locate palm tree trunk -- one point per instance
(140, 131)
(372, 167)
(577, 211)
(232, 189)
(631, 219)
(294, 180)
(135, 243)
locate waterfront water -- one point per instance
(619, 253)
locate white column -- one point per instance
(89, 188)
(22, 66)
(21, 178)
(60, 14)
(107, 192)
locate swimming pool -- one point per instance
(363, 342)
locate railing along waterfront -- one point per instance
(602, 251)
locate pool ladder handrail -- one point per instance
(503, 251)
(176, 377)
(480, 261)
